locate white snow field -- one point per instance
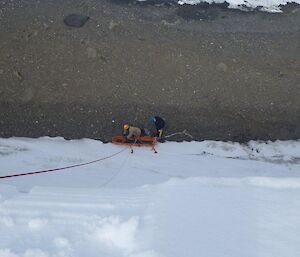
(191, 199)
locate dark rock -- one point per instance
(76, 20)
(18, 75)
(103, 58)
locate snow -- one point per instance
(264, 5)
(209, 198)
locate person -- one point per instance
(131, 132)
(159, 125)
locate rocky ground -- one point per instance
(219, 73)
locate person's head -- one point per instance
(152, 120)
(126, 127)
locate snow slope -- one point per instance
(191, 199)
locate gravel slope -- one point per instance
(221, 74)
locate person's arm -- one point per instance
(130, 134)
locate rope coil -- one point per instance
(184, 132)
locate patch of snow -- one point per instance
(264, 5)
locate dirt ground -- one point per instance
(220, 74)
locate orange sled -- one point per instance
(141, 141)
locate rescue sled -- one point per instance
(141, 141)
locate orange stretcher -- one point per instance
(141, 141)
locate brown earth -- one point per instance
(219, 73)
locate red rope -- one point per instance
(62, 168)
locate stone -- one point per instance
(27, 95)
(1, 71)
(91, 52)
(170, 23)
(46, 26)
(281, 74)
(113, 24)
(76, 20)
(222, 67)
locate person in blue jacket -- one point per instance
(159, 125)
